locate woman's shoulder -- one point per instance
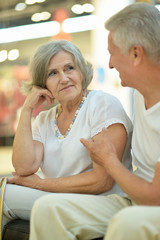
(101, 93)
(46, 114)
(102, 98)
(108, 108)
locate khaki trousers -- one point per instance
(74, 216)
(84, 217)
(135, 223)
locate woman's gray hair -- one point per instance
(41, 59)
(137, 24)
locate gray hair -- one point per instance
(137, 24)
(40, 61)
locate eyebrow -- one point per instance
(69, 63)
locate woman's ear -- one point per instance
(137, 53)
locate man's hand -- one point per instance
(100, 148)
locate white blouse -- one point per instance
(67, 156)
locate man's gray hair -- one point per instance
(137, 24)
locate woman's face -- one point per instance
(64, 80)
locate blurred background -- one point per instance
(27, 24)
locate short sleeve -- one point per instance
(107, 111)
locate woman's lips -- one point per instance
(67, 88)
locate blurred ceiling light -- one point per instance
(87, 7)
(30, 2)
(20, 6)
(31, 31)
(40, 1)
(3, 55)
(40, 16)
(158, 6)
(36, 17)
(77, 8)
(13, 54)
(46, 15)
(48, 29)
(85, 23)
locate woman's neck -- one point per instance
(69, 108)
(72, 105)
(65, 117)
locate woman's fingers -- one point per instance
(37, 96)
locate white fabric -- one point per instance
(146, 138)
(67, 156)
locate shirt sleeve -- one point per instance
(107, 111)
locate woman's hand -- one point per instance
(32, 181)
(36, 97)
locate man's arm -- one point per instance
(104, 153)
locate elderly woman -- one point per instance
(59, 72)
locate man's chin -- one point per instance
(123, 84)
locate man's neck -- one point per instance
(151, 97)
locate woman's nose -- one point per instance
(63, 78)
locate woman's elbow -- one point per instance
(105, 184)
(109, 184)
(25, 170)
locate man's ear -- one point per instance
(137, 53)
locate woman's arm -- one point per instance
(27, 153)
(92, 182)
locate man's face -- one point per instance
(122, 63)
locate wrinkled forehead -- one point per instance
(61, 57)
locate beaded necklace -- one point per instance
(59, 111)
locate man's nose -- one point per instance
(110, 64)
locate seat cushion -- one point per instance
(19, 230)
(16, 230)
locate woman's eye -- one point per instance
(70, 68)
(51, 73)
